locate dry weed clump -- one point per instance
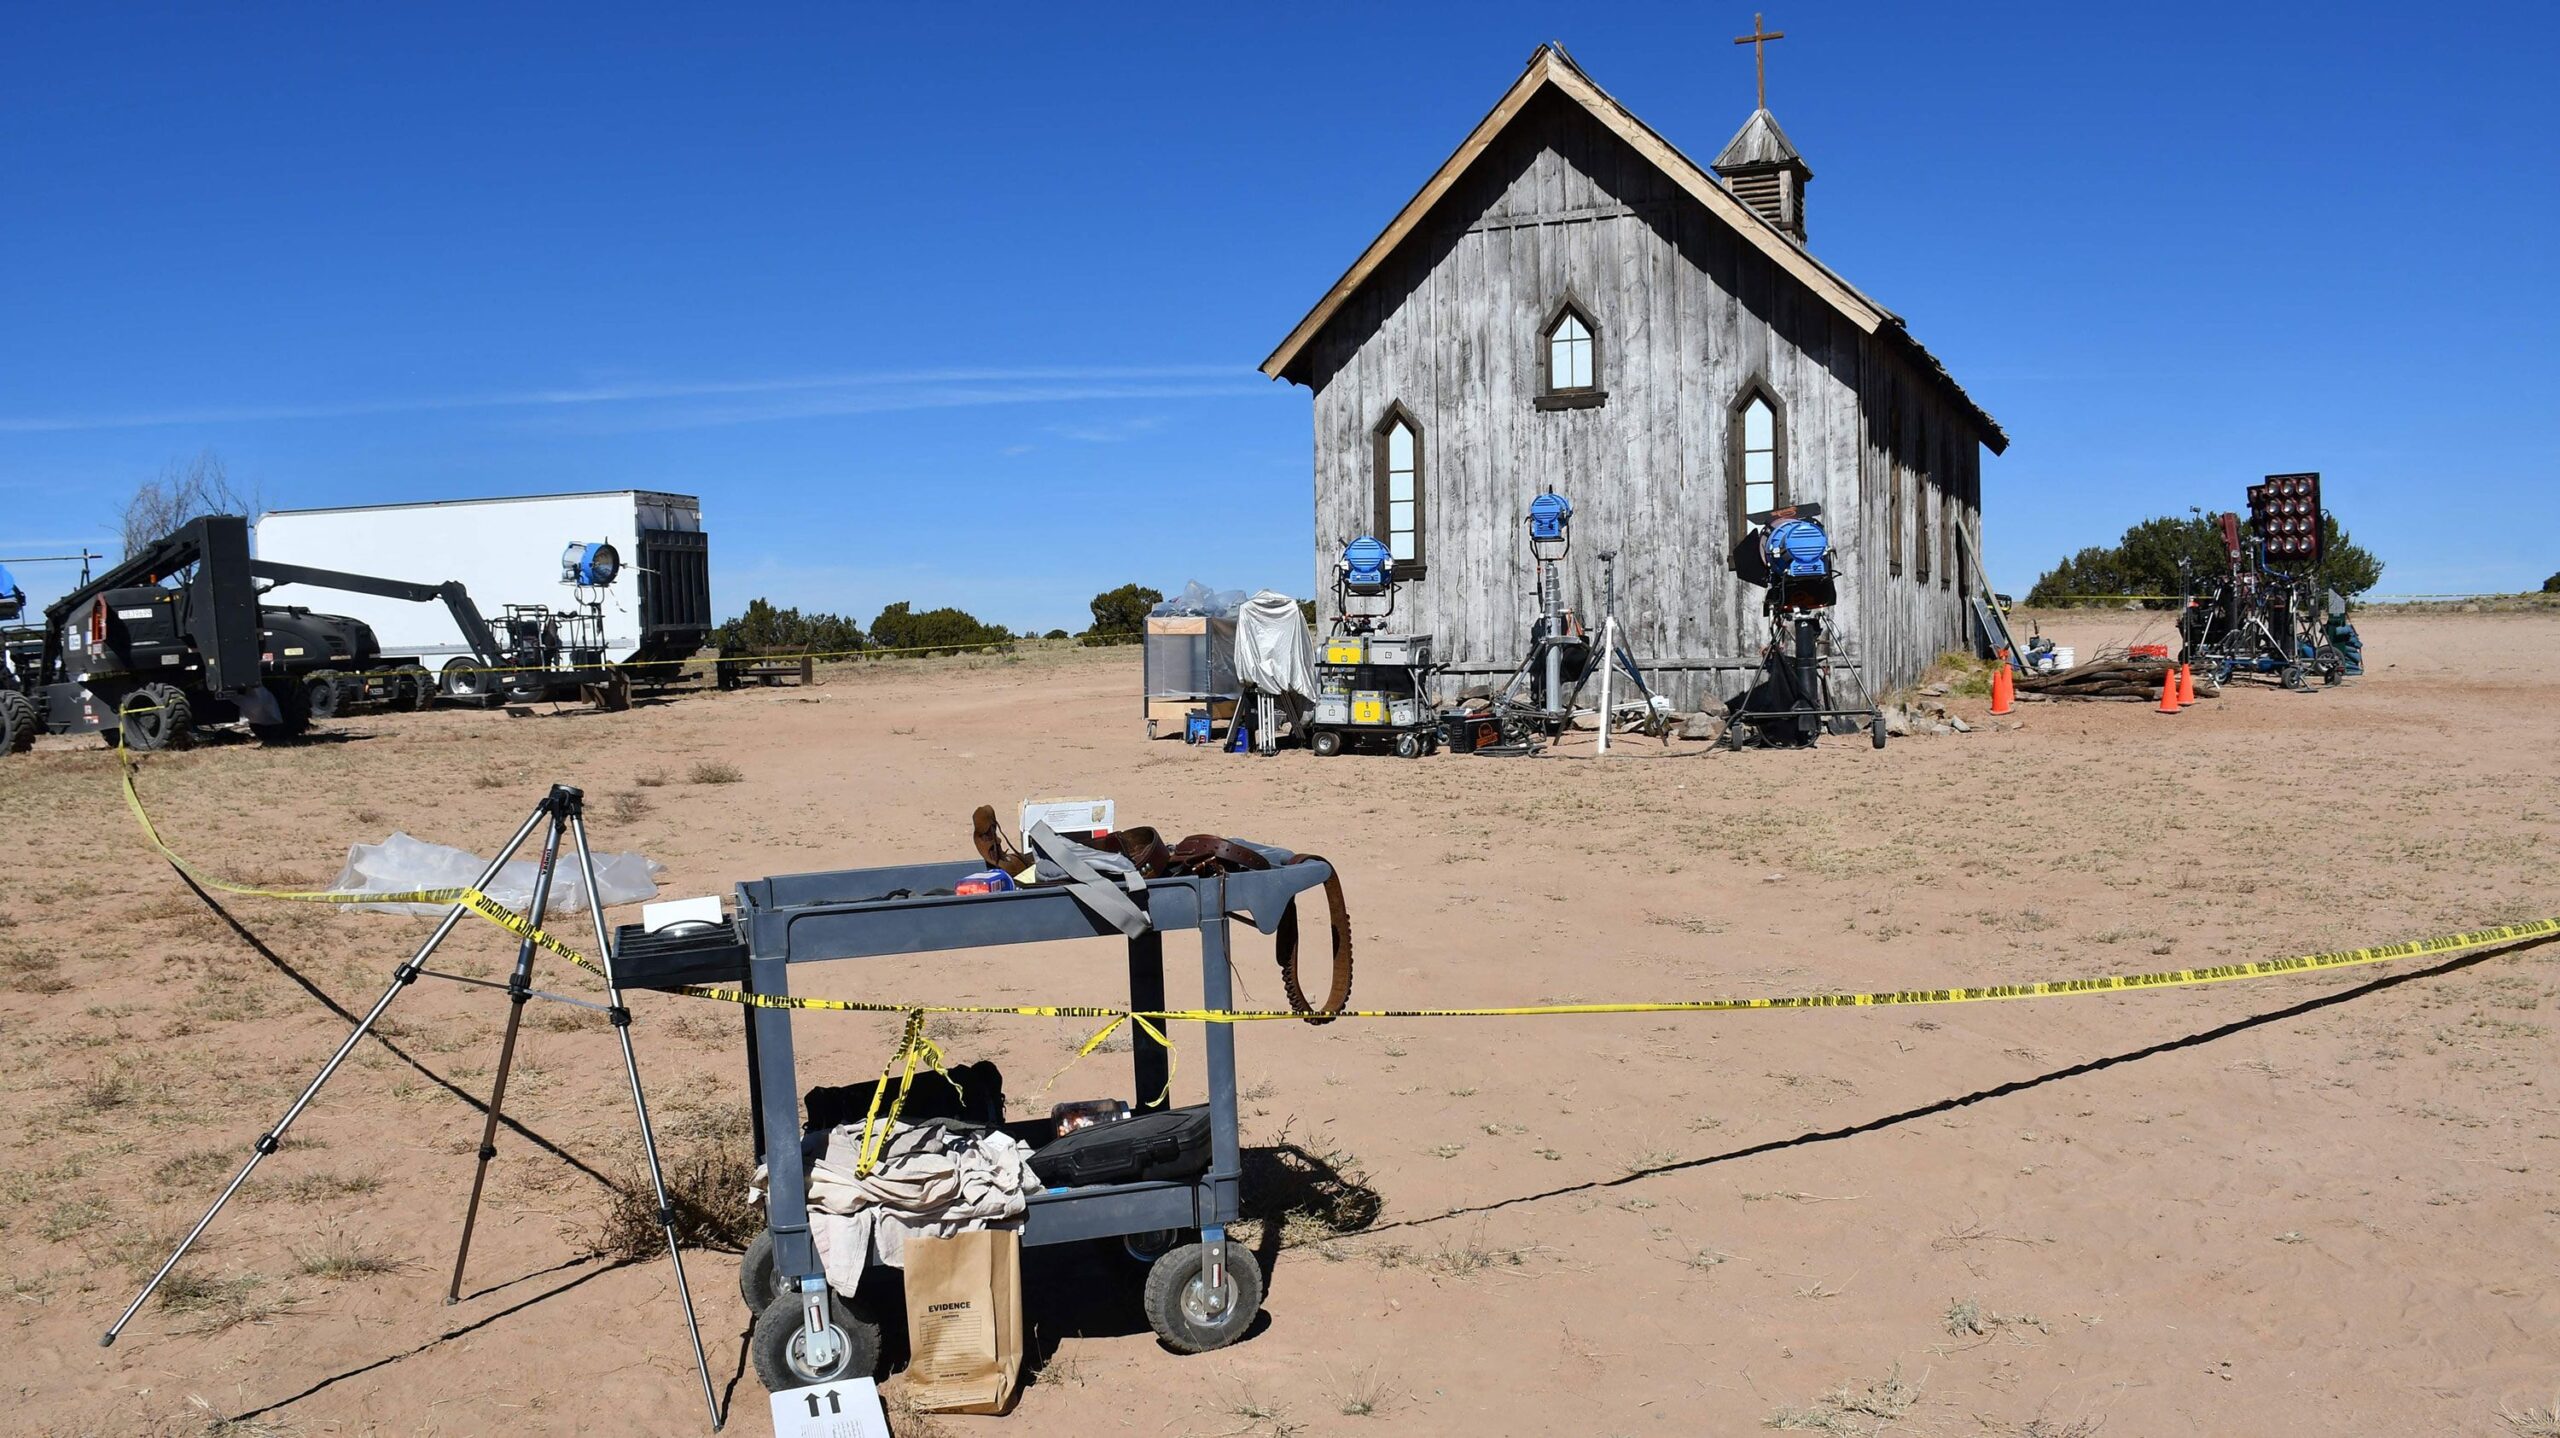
(2531, 1422)
(715, 771)
(1301, 1198)
(1852, 1411)
(707, 1177)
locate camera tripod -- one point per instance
(565, 808)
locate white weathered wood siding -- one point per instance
(1687, 315)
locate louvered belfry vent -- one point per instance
(1764, 171)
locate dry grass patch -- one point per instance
(1967, 1318)
(715, 771)
(1457, 1258)
(1852, 1410)
(321, 1187)
(197, 1167)
(32, 971)
(2531, 1422)
(346, 1257)
(71, 1218)
(221, 1303)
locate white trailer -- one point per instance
(508, 552)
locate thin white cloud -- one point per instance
(957, 396)
(853, 393)
(1109, 432)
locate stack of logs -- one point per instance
(2110, 679)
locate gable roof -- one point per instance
(1552, 69)
(1760, 142)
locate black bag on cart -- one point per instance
(973, 1092)
(1169, 1145)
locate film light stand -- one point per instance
(565, 809)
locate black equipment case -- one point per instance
(1150, 1146)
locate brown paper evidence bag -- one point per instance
(964, 1321)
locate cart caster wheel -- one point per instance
(1186, 1314)
(2294, 678)
(780, 1356)
(1875, 728)
(1148, 1247)
(1326, 743)
(1408, 746)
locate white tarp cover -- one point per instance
(401, 864)
(1274, 652)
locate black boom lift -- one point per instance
(146, 661)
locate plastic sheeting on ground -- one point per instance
(401, 864)
(1274, 652)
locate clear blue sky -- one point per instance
(966, 309)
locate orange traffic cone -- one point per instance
(2004, 690)
(2168, 691)
(2186, 685)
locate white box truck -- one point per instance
(508, 553)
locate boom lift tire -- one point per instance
(323, 693)
(156, 717)
(465, 680)
(19, 722)
(412, 688)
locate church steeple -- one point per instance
(1761, 166)
(1764, 171)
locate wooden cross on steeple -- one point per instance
(1758, 40)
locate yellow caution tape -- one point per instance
(2041, 989)
(471, 898)
(1150, 1021)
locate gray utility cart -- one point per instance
(1199, 1295)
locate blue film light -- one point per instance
(590, 565)
(1549, 513)
(1367, 568)
(1799, 549)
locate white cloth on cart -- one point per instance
(1274, 652)
(933, 1179)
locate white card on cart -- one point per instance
(849, 1408)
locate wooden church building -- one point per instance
(1572, 302)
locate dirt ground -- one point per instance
(2315, 1205)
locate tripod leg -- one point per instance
(273, 1138)
(519, 990)
(640, 1106)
